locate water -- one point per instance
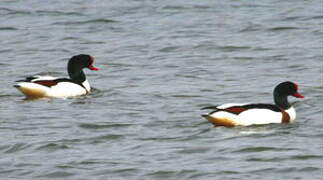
(160, 62)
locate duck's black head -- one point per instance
(283, 90)
(77, 63)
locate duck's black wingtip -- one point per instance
(205, 115)
(27, 79)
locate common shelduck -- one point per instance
(48, 86)
(257, 114)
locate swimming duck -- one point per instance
(256, 114)
(48, 86)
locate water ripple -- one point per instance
(102, 126)
(17, 148)
(260, 149)
(58, 13)
(93, 21)
(9, 11)
(8, 28)
(51, 147)
(56, 174)
(282, 28)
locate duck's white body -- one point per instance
(60, 90)
(249, 117)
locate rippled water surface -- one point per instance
(160, 61)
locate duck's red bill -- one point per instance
(298, 95)
(91, 67)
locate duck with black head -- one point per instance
(48, 86)
(233, 114)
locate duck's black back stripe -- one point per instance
(28, 79)
(262, 106)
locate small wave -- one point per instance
(162, 173)
(159, 139)
(314, 17)
(93, 21)
(185, 95)
(228, 172)
(16, 148)
(52, 147)
(295, 158)
(275, 159)
(169, 49)
(88, 161)
(292, 18)
(57, 174)
(6, 95)
(8, 29)
(282, 28)
(193, 151)
(102, 126)
(251, 28)
(260, 149)
(185, 7)
(123, 172)
(98, 139)
(233, 48)
(297, 169)
(310, 169)
(8, 11)
(306, 157)
(174, 7)
(59, 13)
(102, 21)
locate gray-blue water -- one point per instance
(160, 61)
